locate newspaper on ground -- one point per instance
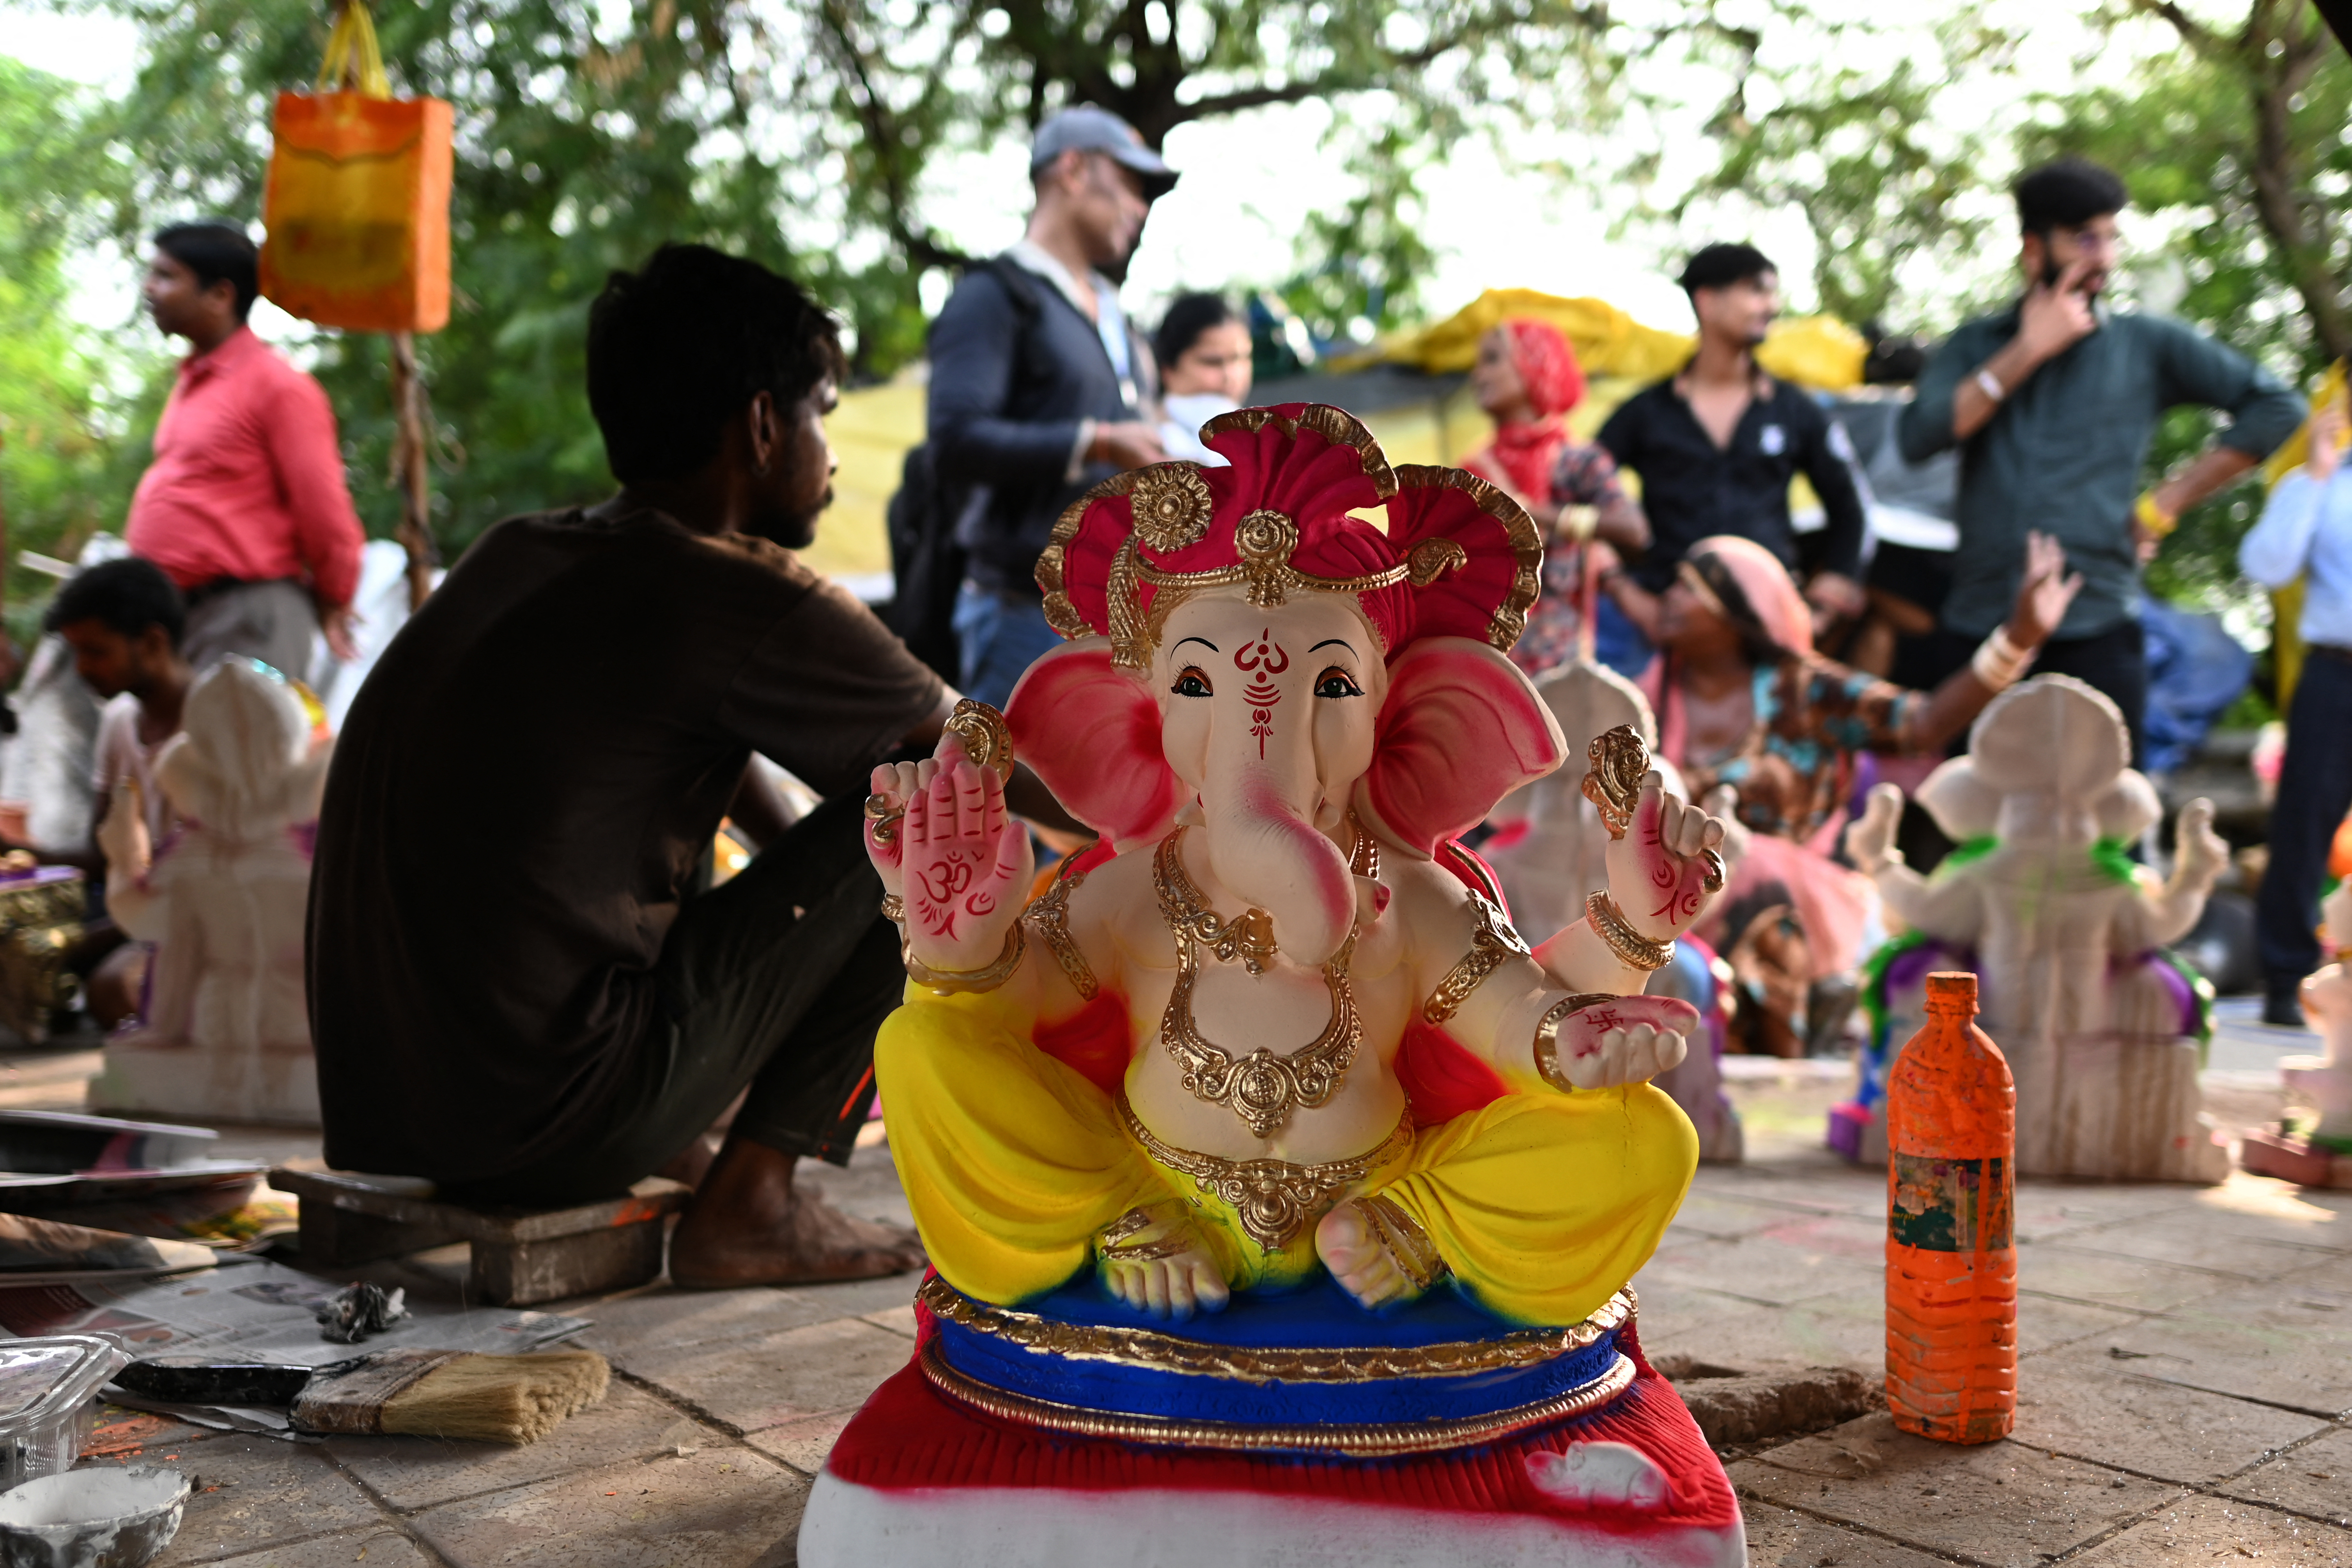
(250, 1310)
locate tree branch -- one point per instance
(2193, 33)
(884, 142)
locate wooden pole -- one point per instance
(408, 470)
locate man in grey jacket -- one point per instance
(1039, 388)
(2052, 403)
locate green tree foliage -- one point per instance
(1878, 161)
(802, 134)
(63, 475)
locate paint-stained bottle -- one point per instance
(1951, 1247)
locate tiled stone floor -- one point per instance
(2186, 1391)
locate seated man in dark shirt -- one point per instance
(516, 987)
(1718, 444)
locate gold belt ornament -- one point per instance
(1274, 1198)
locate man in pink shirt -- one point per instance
(244, 506)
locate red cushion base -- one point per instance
(911, 1436)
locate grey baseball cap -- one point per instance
(1089, 129)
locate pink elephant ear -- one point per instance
(1091, 731)
(1462, 727)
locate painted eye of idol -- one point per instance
(1192, 683)
(1336, 681)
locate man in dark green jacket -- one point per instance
(2052, 403)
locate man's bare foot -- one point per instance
(691, 1164)
(1351, 1246)
(748, 1225)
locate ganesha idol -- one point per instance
(1260, 1161)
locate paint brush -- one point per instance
(447, 1394)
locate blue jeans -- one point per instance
(2315, 791)
(1618, 642)
(1001, 637)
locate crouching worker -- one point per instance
(516, 988)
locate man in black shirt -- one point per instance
(1717, 445)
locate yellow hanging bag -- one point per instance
(358, 201)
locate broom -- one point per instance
(449, 1394)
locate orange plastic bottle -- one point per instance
(1951, 1249)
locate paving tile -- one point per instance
(2287, 1344)
(751, 1383)
(2001, 1503)
(2206, 1530)
(897, 1320)
(2226, 1244)
(722, 1507)
(1840, 1236)
(803, 1443)
(1759, 1268)
(1783, 1538)
(2282, 1211)
(418, 1472)
(1722, 1217)
(2049, 1209)
(1832, 1188)
(2315, 1479)
(667, 1319)
(381, 1548)
(2089, 1407)
(2105, 1279)
(1848, 1329)
(250, 1492)
(2043, 1324)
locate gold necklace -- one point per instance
(1261, 1088)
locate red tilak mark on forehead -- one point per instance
(1265, 651)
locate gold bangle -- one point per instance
(1635, 950)
(1620, 760)
(987, 739)
(1548, 1034)
(958, 982)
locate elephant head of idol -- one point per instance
(1265, 647)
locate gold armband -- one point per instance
(1637, 951)
(1491, 944)
(958, 982)
(1548, 1034)
(1049, 916)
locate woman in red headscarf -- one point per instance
(1743, 700)
(1526, 380)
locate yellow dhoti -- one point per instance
(1542, 1205)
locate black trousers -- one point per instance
(2315, 791)
(2114, 662)
(777, 978)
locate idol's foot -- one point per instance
(1361, 1252)
(748, 1225)
(1165, 1269)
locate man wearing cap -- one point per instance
(1039, 388)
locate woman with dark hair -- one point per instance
(1527, 380)
(1743, 700)
(1203, 350)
